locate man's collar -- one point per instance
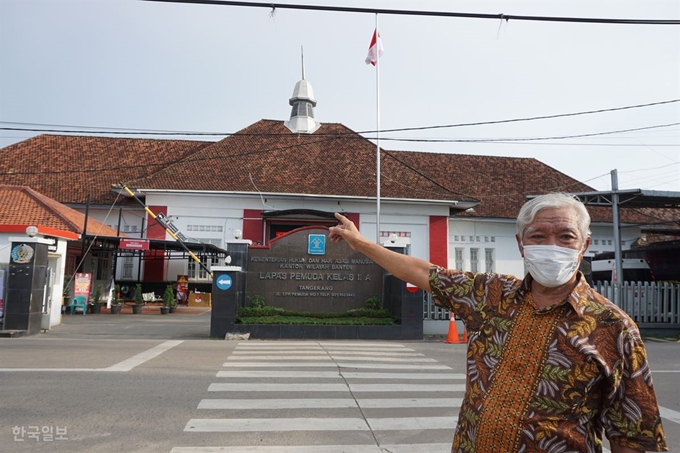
(577, 298)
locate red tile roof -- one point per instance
(266, 157)
(24, 206)
(68, 168)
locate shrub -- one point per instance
(138, 294)
(257, 301)
(373, 303)
(168, 296)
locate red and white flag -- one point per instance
(375, 50)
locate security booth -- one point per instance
(26, 284)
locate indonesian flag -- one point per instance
(375, 50)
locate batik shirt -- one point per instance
(552, 379)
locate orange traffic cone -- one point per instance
(453, 332)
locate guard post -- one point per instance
(227, 296)
(26, 284)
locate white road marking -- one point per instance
(669, 414)
(320, 348)
(323, 357)
(124, 366)
(380, 403)
(331, 353)
(327, 403)
(304, 403)
(255, 387)
(266, 344)
(385, 359)
(280, 374)
(127, 365)
(412, 423)
(337, 374)
(329, 364)
(204, 425)
(326, 357)
(407, 387)
(411, 448)
(437, 376)
(251, 387)
(262, 425)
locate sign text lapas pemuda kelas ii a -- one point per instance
(303, 270)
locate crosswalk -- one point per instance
(317, 396)
(328, 397)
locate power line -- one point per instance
(131, 131)
(533, 118)
(494, 140)
(402, 12)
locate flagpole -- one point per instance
(377, 130)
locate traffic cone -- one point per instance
(452, 337)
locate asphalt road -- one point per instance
(130, 383)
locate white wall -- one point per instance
(225, 211)
(499, 235)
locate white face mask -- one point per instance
(551, 265)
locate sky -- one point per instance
(131, 65)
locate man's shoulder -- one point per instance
(594, 305)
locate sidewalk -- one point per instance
(187, 323)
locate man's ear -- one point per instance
(519, 245)
(585, 246)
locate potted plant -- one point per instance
(65, 298)
(139, 301)
(115, 300)
(95, 303)
(168, 298)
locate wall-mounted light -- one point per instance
(228, 259)
(238, 234)
(393, 238)
(31, 230)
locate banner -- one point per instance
(182, 289)
(83, 285)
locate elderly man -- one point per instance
(551, 364)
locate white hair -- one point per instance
(554, 200)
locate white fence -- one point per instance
(650, 304)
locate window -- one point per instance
(128, 266)
(197, 272)
(455, 238)
(488, 256)
(596, 242)
(459, 259)
(474, 260)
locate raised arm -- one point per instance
(404, 267)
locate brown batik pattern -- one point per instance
(551, 379)
(515, 379)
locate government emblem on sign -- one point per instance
(22, 254)
(316, 244)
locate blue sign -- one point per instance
(224, 281)
(317, 244)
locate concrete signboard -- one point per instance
(303, 270)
